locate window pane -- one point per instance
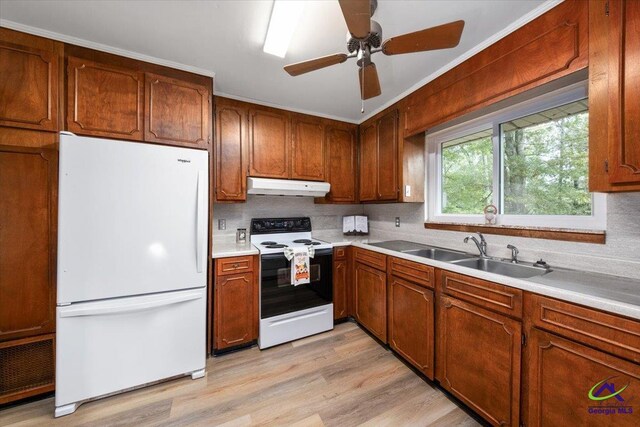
(545, 162)
(467, 174)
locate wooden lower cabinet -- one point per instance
(370, 299)
(411, 323)
(340, 283)
(236, 307)
(478, 359)
(28, 184)
(568, 384)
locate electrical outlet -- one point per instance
(397, 221)
(222, 224)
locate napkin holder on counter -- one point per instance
(355, 225)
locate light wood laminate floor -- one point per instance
(339, 378)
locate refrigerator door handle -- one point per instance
(201, 225)
(128, 307)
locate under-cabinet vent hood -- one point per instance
(286, 187)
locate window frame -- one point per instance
(435, 140)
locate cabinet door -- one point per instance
(176, 112)
(387, 171)
(28, 87)
(624, 69)
(340, 277)
(341, 167)
(104, 100)
(411, 323)
(568, 384)
(478, 359)
(308, 149)
(231, 131)
(235, 320)
(371, 300)
(369, 163)
(28, 183)
(269, 144)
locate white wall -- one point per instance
(238, 215)
(620, 255)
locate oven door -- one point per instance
(279, 296)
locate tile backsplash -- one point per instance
(620, 255)
(238, 215)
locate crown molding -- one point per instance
(103, 47)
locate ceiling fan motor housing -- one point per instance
(373, 39)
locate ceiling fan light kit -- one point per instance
(365, 39)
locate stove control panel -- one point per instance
(280, 225)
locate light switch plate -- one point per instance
(407, 191)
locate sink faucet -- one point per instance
(481, 244)
(514, 253)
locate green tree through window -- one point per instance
(545, 167)
(467, 174)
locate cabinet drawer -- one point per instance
(610, 333)
(412, 271)
(233, 265)
(370, 258)
(340, 253)
(496, 297)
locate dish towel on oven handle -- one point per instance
(300, 264)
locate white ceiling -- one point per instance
(226, 38)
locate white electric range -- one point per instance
(289, 312)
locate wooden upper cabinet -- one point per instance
(341, 163)
(551, 46)
(624, 84)
(176, 112)
(269, 143)
(28, 183)
(104, 100)
(231, 134)
(561, 374)
(28, 86)
(379, 159)
(387, 177)
(368, 163)
(478, 359)
(308, 148)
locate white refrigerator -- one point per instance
(132, 266)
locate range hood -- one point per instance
(286, 187)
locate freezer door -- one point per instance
(107, 346)
(133, 219)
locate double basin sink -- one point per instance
(491, 265)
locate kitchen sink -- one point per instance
(518, 271)
(437, 254)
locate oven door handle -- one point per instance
(280, 255)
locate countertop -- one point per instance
(227, 247)
(604, 292)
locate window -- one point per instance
(467, 173)
(529, 160)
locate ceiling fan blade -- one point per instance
(441, 37)
(371, 86)
(315, 64)
(357, 14)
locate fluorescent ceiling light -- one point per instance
(284, 19)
